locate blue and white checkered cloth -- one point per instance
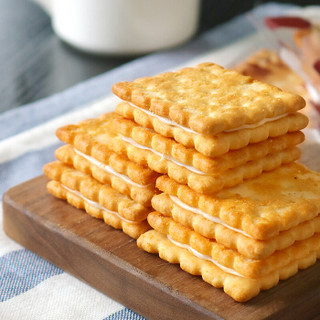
(30, 287)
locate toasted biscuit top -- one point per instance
(92, 138)
(262, 207)
(208, 98)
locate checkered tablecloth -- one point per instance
(30, 287)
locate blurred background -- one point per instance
(35, 63)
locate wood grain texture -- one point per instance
(111, 262)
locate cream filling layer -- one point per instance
(97, 205)
(205, 257)
(108, 169)
(258, 124)
(169, 158)
(181, 204)
(175, 124)
(163, 119)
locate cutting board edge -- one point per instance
(11, 207)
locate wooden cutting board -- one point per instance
(110, 261)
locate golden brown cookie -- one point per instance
(243, 266)
(92, 191)
(230, 238)
(92, 136)
(132, 229)
(208, 98)
(239, 288)
(106, 174)
(195, 179)
(191, 157)
(262, 207)
(214, 145)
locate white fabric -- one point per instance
(55, 297)
(6, 244)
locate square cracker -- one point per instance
(262, 207)
(91, 138)
(215, 145)
(122, 183)
(199, 182)
(92, 190)
(132, 229)
(247, 246)
(249, 268)
(191, 157)
(239, 288)
(208, 98)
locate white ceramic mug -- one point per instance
(123, 27)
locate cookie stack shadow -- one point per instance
(206, 158)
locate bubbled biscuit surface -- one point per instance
(208, 98)
(262, 207)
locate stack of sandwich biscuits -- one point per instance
(235, 208)
(206, 158)
(90, 176)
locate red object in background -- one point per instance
(289, 22)
(317, 106)
(316, 66)
(298, 44)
